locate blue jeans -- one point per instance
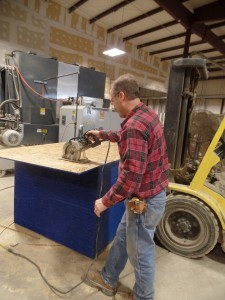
(134, 240)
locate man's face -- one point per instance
(114, 99)
(117, 102)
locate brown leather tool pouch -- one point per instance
(137, 206)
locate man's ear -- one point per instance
(122, 95)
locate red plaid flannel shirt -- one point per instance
(143, 166)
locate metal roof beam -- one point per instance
(217, 57)
(214, 69)
(171, 23)
(168, 24)
(166, 39)
(179, 12)
(136, 19)
(221, 62)
(217, 25)
(76, 5)
(176, 48)
(153, 29)
(182, 46)
(216, 77)
(176, 9)
(172, 57)
(110, 10)
(211, 12)
(208, 50)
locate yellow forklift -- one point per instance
(194, 218)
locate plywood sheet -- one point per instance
(50, 156)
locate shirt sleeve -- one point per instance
(112, 136)
(133, 151)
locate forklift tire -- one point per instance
(188, 227)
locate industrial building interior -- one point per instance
(54, 87)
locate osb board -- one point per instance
(50, 156)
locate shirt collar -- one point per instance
(132, 112)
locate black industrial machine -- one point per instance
(32, 90)
(38, 86)
(25, 79)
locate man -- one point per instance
(143, 174)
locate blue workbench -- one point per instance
(58, 204)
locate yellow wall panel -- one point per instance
(4, 30)
(122, 59)
(102, 67)
(156, 79)
(140, 53)
(112, 40)
(101, 33)
(38, 22)
(66, 57)
(162, 75)
(156, 62)
(84, 24)
(101, 48)
(53, 11)
(146, 56)
(13, 11)
(30, 39)
(37, 5)
(128, 47)
(143, 67)
(74, 20)
(165, 66)
(123, 71)
(71, 41)
(143, 55)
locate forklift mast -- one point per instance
(194, 218)
(183, 80)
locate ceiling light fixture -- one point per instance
(114, 52)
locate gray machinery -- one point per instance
(37, 83)
(10, 127)
(76, 120)
(32, 89)
(87, 111)
(43, 84)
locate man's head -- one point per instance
(127, 84)
(125, 94)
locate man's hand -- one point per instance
(94, 132)
(99, 207)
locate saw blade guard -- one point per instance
(73, 149)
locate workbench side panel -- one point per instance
(58, 205)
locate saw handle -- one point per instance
(92, 139)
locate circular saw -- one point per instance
(73, 149)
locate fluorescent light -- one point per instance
(113, 52)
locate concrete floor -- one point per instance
(176, 277)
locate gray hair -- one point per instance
(126, 83)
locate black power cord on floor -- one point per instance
(55, 290)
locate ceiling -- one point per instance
(170, 29)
